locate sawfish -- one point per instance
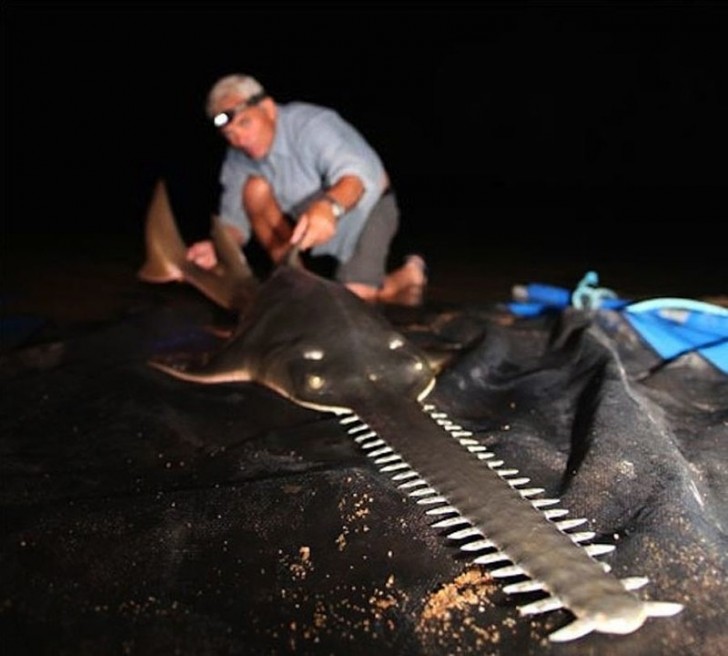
(317, 344)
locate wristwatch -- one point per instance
(336, 207)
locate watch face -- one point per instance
(336, 207)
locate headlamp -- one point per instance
(221, 119)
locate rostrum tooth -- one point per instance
(409, 484)
(422, 491)
(489, 559)
(442, 510)
(462, 533)
(523, 586)
(450, 522)
(477, 545)
(567, 524)
(505, 572)
(380, 452)
(540, 503)
(429, 500)
(599, 549)
(582, 536)
(634, 582)
(531, 491)
(395, 467)
(555, 512)
(402, 476)
(373, 443)
(544, 605)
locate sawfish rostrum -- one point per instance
(319, 345)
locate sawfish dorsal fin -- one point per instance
(231, 283)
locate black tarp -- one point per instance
(147, 515)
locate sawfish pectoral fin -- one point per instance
(184, 371)
(165, 249)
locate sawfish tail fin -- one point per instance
(231, 283)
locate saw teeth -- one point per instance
(422, 491)
(442, 510)
(358, 429)
(634, 582)
(463, 533)
(429, 500)
(506, 572)
(599, 549)
(523, 586)
(404, 475)
(544, 605)
(662, 608)
(540, 503)
(408, 484)
(567, 524)
(450, 517)
(491, 558)
(478, 545)
(531, 491)
(386, 459)
(394, 467)
(373, 443)
(582, 536)
(450, 522)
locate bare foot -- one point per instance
(406, 285)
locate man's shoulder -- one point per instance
(300, 112)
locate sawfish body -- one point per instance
(319, 345)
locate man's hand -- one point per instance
(315, 226)
(202, 253)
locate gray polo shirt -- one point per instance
(313, 147)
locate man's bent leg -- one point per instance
(267, 220)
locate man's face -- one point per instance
(251, 129)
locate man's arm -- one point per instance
(318, 223)
(202, 253)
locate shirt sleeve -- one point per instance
(337, 149)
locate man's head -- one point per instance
(245, 115)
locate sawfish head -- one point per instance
(308, 338)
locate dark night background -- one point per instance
(581, 128)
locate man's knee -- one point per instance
(257, 194)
